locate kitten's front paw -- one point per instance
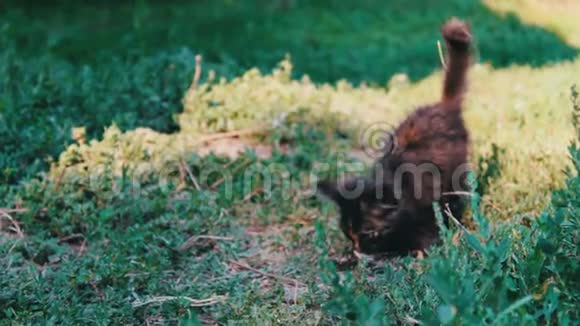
(346, 262)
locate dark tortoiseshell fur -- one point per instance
(434, 136)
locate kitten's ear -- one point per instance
(329, 189)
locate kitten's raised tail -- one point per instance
(457, 35)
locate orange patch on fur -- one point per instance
(408, 136)
(355, 240)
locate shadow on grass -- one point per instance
(329, 40)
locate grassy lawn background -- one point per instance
(112, 228)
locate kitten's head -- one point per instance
(366, 210)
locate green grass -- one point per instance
(98, 228)
(75, 56)
(130, 206)
(329, 40)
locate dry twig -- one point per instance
(252, 194)
(182, 175)
(222, 179)
(461, 193)
(59, 180)
(83, 248)
(96, 289)
(441, 57)
(191, 176)
(13, 210)
(192, 302)
(191, 241)
(230, 134)
(71, 237)
(197, 73)
(274, 276)
(15, 227)
(412, 320)
(457, 223)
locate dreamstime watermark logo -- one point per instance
(377, 140)
(282, 182)
(276, 180)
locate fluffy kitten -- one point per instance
(391, 210)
